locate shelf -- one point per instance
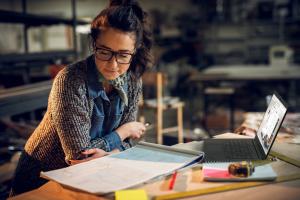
(34, 96)
(224, 40)
(8, 59)
(34, 20)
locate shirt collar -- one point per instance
(95, 88)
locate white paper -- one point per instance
(119, 171)
(232, 136)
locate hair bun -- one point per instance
(122, 3)
(137, 10)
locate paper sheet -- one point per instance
(120, 171)
(232, 135)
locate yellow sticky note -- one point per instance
(131, 195)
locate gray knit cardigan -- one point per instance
(64, 130)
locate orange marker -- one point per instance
(172, 181)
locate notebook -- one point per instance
(258, 148)
(219, 172)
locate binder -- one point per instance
(123, 170)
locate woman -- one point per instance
(93, 103)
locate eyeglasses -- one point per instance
(106, 55)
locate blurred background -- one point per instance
(220, 61)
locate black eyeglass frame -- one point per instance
(113, 53)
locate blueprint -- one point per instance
(123, 170)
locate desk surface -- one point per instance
(284, 190)
(191, 180)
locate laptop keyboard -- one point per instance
(239, 149)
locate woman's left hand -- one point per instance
(90, 154)
(243, 130)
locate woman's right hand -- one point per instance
(90, 155)
(132, 130)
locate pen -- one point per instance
(172, 181)
(147, 125)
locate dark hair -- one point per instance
(127, 16)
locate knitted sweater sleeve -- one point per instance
(130, 111)
(68, 110)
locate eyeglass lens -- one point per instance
(106, 55)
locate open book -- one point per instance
(219, 172)
(125, 169)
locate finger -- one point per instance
(136, 136)
(88, 159)
(143, 129)
(143, 126)
(74, 162)
(96, 155)
(90, 151)
(113, 151)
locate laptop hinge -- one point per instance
(259, 149)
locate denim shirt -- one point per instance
(107, 111)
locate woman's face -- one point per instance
(113, 52)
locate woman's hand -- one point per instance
(90, 154)
(132, 130)
(243, 130)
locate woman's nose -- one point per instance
(113, 62)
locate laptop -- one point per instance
(258, 148)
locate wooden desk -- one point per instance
(189, 185)
(285, 190)
(55, 191)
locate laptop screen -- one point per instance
(271, 122)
